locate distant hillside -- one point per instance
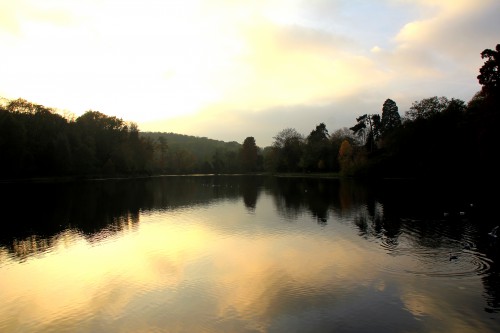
(201, 147)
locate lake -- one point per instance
(247, 254)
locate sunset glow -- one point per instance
(205, 67)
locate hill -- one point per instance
(198, 151)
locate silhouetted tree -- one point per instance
(12, 144)
(426, 108)
(489, 76)
(368, 129)
(390, 116)
(288, 145)
(484, 115)
(317, 149)
(248, 154)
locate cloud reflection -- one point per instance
(167, 257)
(198, 259)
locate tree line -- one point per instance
(437, 136)
(36, 141)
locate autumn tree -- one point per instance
(345, 156)
(345, 150)
(336, 140)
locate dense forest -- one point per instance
(37, 141)
(436, 137)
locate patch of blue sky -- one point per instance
(367, 23)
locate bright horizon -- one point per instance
(232, 69)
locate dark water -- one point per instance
(247, 254)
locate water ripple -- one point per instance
(434, 262)
(434, 248)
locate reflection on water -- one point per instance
(245, 254)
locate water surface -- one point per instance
(245, 254)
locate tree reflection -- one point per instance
(33, 244)
(250, 190)
(322, 198)
(35, 217)
(35, 214)
(89, 207)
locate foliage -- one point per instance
(178, 153)
(336, 140)
(390, 116)
(287, 150)
(37, 142)
(489, 76)
(368, 128)
(249, 155)
(426, 108)
(437, 137)
(317, 151)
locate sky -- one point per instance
(230, 69)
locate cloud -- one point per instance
(290, 65)
(457, 28)
(438, 53)
(291, 72)
(15, 14)
(210, 67)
